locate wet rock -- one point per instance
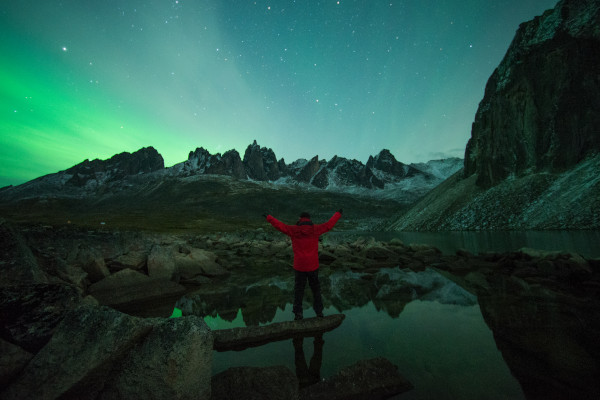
(464, 253)
(135, 293)
(17, 263)
(80, 355)
(135, 260)
(69, 273)
(197, 262)
(574, 267)
(253, 383)
(239, 338)
(173, 362)
(92, 262)
(371, 379)
(397, 245)
(326, 257)
(379, 253)
(161, 262)
(477, 280)
(30, 313)
(538, 254)
(428, 256)
(12, 360)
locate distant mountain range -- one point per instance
(382, 173)
(209, 192)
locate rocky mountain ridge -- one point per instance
(533, 160)
(260, 164)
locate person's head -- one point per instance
(305, 215)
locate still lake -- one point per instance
(586, 243)
(437, 332)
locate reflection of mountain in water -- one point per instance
(548, 337)
(389, 290)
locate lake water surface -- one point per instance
(519, 341)
(586, 243)
(446, 351)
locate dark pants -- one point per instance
(300, 284)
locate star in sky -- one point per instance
(345, 78)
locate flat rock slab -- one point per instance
(372, 379)
(242, 338)
(255, 383)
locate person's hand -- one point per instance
(341, 211)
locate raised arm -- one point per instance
(327, 226)
(280, 226)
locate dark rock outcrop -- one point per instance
(117, 167)
(344, 172)
(29, 314)
(172, 362)
(18, 265)
(541, 109)
(100, 353)
(201, 161)
(533, 158)
(80, 355)
(386, 162)
(260, 163)
(308, 170)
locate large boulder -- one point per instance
(194, 262)
(91, 261)
(161, 261)
(29, 314)
(254, 383)
(135, 293)
(134, 259)
(17, 263)
(80, 355)
(173, 362)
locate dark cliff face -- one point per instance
(117, 167)
(217, 164)
(260, 163)
(541, 109)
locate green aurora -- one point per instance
(88, 79)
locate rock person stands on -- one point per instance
(305, 244)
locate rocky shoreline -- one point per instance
(72, 303)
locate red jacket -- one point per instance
(305, 240)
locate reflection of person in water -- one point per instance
(305, 244)
(308, 374)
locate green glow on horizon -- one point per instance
(92, 79)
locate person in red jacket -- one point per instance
(305, 244)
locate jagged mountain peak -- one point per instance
(143, 161)
(123, 170)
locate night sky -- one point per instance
(89, 79)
